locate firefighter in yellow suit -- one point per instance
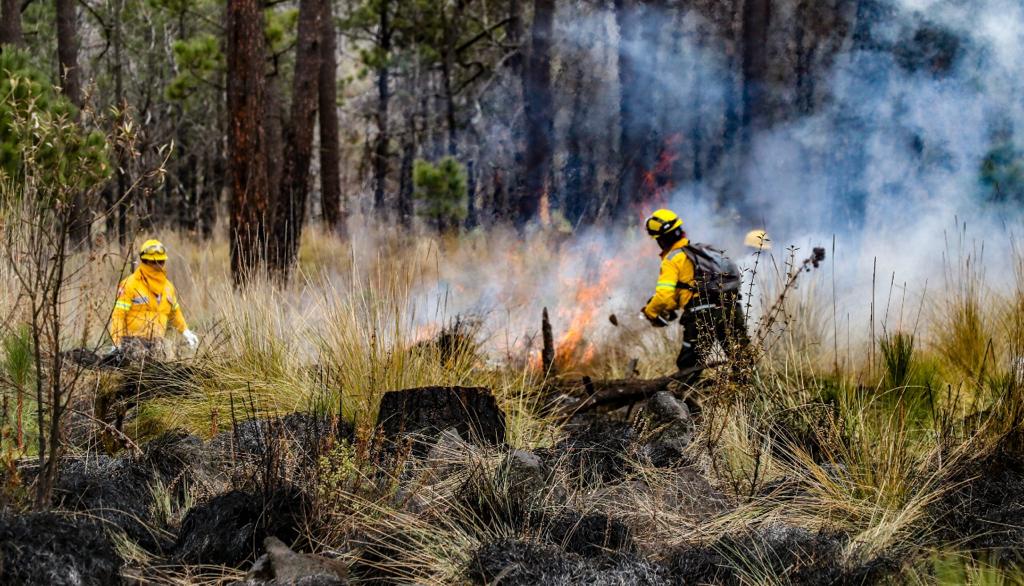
(676, 268)
(146, 302)
(707, 317)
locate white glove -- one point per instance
(191, 338)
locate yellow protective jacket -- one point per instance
(676, 268)
(146, 300)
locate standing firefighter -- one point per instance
(146, 301)
(704, 284)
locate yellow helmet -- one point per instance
(662, 222)
(153, 250)
(758, 239)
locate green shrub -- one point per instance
(37, 124)
(442, 189)
(898, 358)
(18, 375)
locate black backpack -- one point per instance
(713, 271)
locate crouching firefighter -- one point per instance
(704, 285)
(146, 302)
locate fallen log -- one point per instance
(615, 393)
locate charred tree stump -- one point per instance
(547, 353)
(428, 411)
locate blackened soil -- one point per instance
(160, 379)
(180, 460)
(795, 555)
(518, 562)
(230, 528)
(115, 490)
(589, 535)
(306, 434)
(119, 491)
(814, 428)
(986, 507)
(594, 451)
(55, 549)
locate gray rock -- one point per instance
(525, 473)
(619, 496)
(281, 565)
(663, 407)
(671, 428)
(448, 448)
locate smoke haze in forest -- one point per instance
(889, 166)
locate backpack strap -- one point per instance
(689, 255)
(674, 253)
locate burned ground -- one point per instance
(985, 507)
(524, 563)
(116, 490)
(230, 528)
(304, 434)
(56, 549)
(594, 450)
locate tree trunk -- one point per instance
(274, 123)
(503, 202)
(575, 197)
(539, 111)
(756, 16)
(471, 209)
(122, 105)
(380, 152)
(247, 155)
(625, 16)
(754, 112)
(10, 23)
(499, 196)
(639, 135)
(71, 86)
(67, 51)
(806, 44)
(330, 154)
(405, 187)
(515, 36)
(447, 71)
(213, 187)
(290, 208)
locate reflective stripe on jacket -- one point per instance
(676, 268)
(142, 313)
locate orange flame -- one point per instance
(657, 181)
(572, 347)
(425, 332)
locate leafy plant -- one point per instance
(18, 376)
(898, 357)
(33, 116)
(442, 189)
